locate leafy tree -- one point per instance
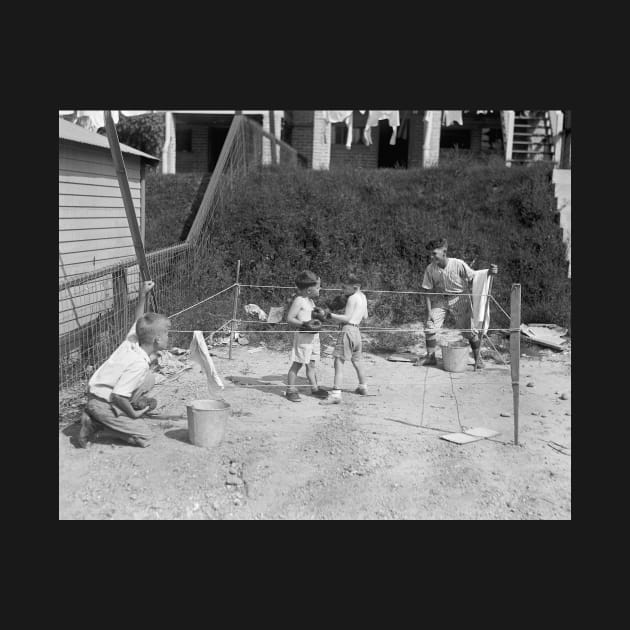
(144, 132)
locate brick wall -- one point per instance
(197, 159)
(302, 134)
(416, 139)
(363, 156)
(360, 155)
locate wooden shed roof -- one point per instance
(76, 133)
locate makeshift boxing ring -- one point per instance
(234, 326)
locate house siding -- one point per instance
(93, 228)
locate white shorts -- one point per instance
(305, 347)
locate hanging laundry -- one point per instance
(403, 130)
(335, 116)
(276, 314)
(200, 355)
(452, 116)
(480, 319)
(254, 309)
(393, 116)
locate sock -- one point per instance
(336, 393)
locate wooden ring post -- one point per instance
(515, 350)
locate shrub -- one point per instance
(145, 132)
(279, 221)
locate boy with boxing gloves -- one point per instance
(306, 345)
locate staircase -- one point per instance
(533, 138)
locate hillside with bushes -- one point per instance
(378, 222)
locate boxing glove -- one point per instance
(313, 325)
(321, 313)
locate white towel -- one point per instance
(335, 116)
(452, 116)
(391, 115)
(480, 319)
(254, 309)
(201, 356)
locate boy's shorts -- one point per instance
(349, 345)
(305, 347)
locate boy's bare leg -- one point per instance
(311, 373)
(292, 392)
(338, 373)
(335, 395)
(358, 366)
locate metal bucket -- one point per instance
(455, 357)
(206, 422)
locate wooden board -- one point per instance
(481, 432)
(407, 357)
(538, 340)
(460, 438)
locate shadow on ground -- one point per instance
(277, 386)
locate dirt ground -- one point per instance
(374, 457)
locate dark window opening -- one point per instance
(392, 155)
(216, 138)
(451, 138)
(340, 134)
(183, 139)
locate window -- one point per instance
(455, 137)
(183, 139)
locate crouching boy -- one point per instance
(117, 390)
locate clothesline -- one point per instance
(272, 286)
(366, 329)
(202, 301)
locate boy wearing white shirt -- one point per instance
(116, 390)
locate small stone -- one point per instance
(567, 413)
(530, 384)
(564, 396)
(534, 413)
(543, 415)
(504, 415)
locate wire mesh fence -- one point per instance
(96, 309)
